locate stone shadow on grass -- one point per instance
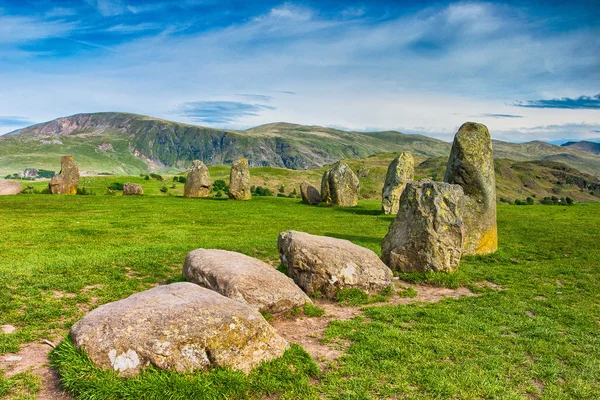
(354, 238)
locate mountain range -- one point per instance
(121, 143)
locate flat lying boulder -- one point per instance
(427, 234)
(132, 189)
(324, 265)
(310, 194)
(181, 326)
(67, 181)
(400, 171)
(244, 279)
(239, 180)
(10, 188)
(198, 182)
(471, 165)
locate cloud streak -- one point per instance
(219, 112)
(7, 120)
(579, 103)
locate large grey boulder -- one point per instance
(427, 234)
(400, 171)
(244, 279)
(324, 265)
(9, 188)
(310, 194)
(343, 186)
(67, 180)
(198, 182)
(239, 180)
(471, 165)
(132, 189)
(182, 327)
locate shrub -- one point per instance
(281, 189)
(115, 186)
(164, 189)
(219, 194)
(83, 191)
(352, 297)
(281, 195)
(529, 201)
(293, 194)
(570, 201)
(156, 176)
(182, 179)
(267, 315)
(146, 178)
(220, 186)
(260, 191)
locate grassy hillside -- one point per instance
(128, 144)
(532, 331)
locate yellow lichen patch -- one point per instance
(488, 242)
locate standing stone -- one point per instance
(239, 180)
(324, 265)
(427, 234)
(10, 187)
(310, 194)
(132, 189)
(181, 327)
(344, 186)
(67, 180)
(400, 171)
(325, 192)
(244, 279)
(197, 183)
(471, 165)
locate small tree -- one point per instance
(530, 201)
(570, 201)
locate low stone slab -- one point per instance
(310, 194)
(181, 326)
(132, 189)
(325, 265)
(9, 188)
(427, 234)
(244, 279)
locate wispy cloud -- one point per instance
(219, 112)
(579, 103)
(501, 115)
(9, 120)
(256, 97)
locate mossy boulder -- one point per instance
(427, 234)
(400, 171)
(198, 182)
(67, 181)
(132, 189)
(239, 180)
(181, 327)
(471, 165)
(342, 187)
(310, 194)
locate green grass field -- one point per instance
(539, 337)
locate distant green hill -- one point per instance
(589, 147)
(129, 144)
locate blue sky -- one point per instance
(529, 70)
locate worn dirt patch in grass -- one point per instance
(308, 332)
(33, 358)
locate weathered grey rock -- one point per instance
(198, 182)
(244, 279)
(325, 192)
(400, 171)
(427, 234)
(9, 188)
(28, 173)
(67, 180)
(181, 326)
(132, 189)
(325, 265)
(310, 194)
(239, 180)
(471, 165)
(344, 186)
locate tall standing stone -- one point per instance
(198, 182)
(343, 185)
(471, 165)
(310, 194)
(427, 234)
(67, 180)
(239, 180)
(325, 193)
(400, 171)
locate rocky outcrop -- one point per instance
(427, 234)
(239, 180)
(340, 186)
(471, 165)
(244, 279)
(310, 194)
(67, 180)
(181, 327)
(198, 182)
(400, 171)
(132, 189)
(9, 188)
(324, 265)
